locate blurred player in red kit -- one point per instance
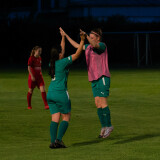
(35, 77)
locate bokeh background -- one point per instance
(130, 29)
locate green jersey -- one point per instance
(99, 50)
(59, 82)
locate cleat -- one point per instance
(53, 146)
(46, 107)
(60, 144)
(108, 132)
(29, 107)
(102, 132)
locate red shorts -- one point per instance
(38, 82)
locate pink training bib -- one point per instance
(97, 64)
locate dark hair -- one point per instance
(34, 49)
(54, 57)
(98, 31)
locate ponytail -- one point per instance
(54, 57)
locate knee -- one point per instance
(66, 117)
(30, 90)
(98, 103)
(42, 89)
(56, 117)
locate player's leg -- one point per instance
(99, 111)
(62, 129)
(43, 93)
(53, 129)
(29, 97)
(54, 126)
(104, 85)
(100, 116)
(106, 116)
(54, 110)
(31, 86)
(95, 90)
(65, 110)
(106, 111)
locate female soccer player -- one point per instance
(99, 76)
(35, 77)
(58, 97)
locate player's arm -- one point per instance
(30, 72)
(71, 41)
(62, 42)
(80, 48)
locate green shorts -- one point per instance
(100, 87)
(59, 101)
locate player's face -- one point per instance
(94, 37)
(38, 52)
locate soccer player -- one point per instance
(99, 76)
(57, 96)
(35, 77)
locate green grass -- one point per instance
(135, 109)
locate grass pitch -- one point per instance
(135, 110)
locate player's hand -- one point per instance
(62, 32)
(83, 33)
(83, 36)
(33, 78)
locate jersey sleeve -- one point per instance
(86, 45)
(30, 61)
(68, 60)
(101, 48)
(65, 62)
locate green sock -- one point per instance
(53, 131)
(107, 117)
(101, 117)
(62, 129)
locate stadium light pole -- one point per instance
(147, 46)
(137, 45)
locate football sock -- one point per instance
(107, 117)
(44, 98)
(29, 96)
(62, 129)
(101, 117)
(53, 131)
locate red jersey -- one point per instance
(35, 64)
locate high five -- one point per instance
(99, 76)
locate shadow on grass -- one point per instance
(137, 138)
(88, 142)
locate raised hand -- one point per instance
(82, 32)
(62, 32)
(83, 36)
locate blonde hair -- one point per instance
(35, 49)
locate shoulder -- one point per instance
(31, 58)
(102, 44)
(102, 47)
(64, 61)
